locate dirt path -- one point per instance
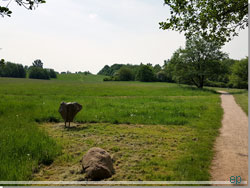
(231, 147)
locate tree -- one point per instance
(212, 19)
(28, 4)
(38, 73)
(225, 70)
(12, 70)
(239, 77)
(52, 73)
(145, 74)
(198, 61)
(157, 68)
(37, 63)
(125, 74)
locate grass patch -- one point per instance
(158, 131)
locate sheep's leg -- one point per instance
(69, 123)
(64, 124)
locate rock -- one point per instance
(69, 110)
(97, 164)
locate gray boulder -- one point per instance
(69, 110)
(97, 164)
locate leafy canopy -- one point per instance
(212, 19)
(197, 62)
(37, 63)
(28, 4)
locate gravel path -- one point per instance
(231, 147)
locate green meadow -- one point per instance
(154, 131)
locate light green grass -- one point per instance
(80, 77)
(168, 112)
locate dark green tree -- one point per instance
(157, 68)
(2, 61)
(38, 73)
(239, 77)
(12, 70)
(217, 20)
(52, 73)
(197, 62)
(37, 63)
(125, 74)
(145, 74)
(225, 70)
(28, 4)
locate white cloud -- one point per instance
(93, 16)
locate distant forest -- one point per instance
(229, 73)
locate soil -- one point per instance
(231, 146)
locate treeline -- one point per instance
(121, 72)
(36, 71)
(230, 73)
(200, 63)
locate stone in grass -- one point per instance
(97, 164)
(69, 110)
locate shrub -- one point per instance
(38, 73)
(108, 79)
(125, 74)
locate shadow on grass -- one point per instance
(193, 88)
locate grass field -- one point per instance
(154, 131)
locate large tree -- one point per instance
(28, 4)
(197, 62)
(212, 19)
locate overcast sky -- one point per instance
(85, 35)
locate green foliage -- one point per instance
(52, 73)
(37, 63)
(157, 68)
(38, 73)
(28, 4)
(2, 61)
(239, 77)
(197, 62)
(145, 74)
(215, 20)
(12, 70)
(110, 71)
(225, 70)
(125, 74)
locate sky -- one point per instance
(85, 35)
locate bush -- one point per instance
(239, 77)
(125, 74)
(108, 79)
(163, 76)
(145, 74)
(52, 73)
(38, 73)
(12, 70)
